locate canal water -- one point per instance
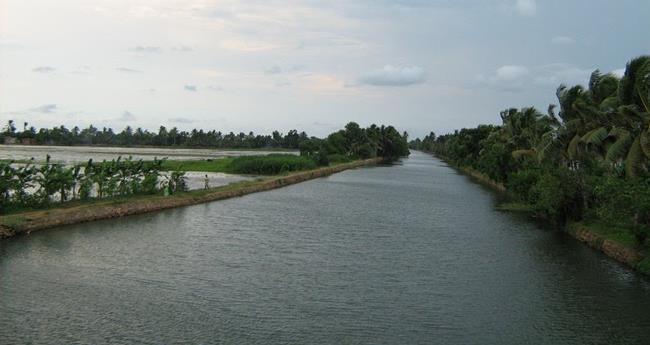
(412, 253)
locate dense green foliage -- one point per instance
(355, 142)
(142, 137)
(271, 164)
(32, 186)
(206, 165)
(26, 185)
(590, 161)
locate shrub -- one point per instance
(271, 164)
(521, 184)
(559, 196)
(338, 158)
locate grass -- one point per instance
(613, 232)
(212, 165)
(273, 164)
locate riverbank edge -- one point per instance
(616, 250)
(26, 222)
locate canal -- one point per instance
(412, 253)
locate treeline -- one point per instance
(590, 161)
(142, 137)
(35, 186)
(354, 142)
(348, 144)
(27, 185)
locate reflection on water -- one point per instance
(408, 254)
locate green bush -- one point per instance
(521, 184)
(559, 196)
(271, 164)
(338, 158)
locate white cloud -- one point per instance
(526, 7)
(515, 78)
(511, 72)
(562, 40)
(390, 75)
(561, 73)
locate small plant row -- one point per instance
(34, 186)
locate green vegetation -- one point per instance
(208, 165)
(28, 186)
(348, 144)
(271, 164)
(590, 162)
(354, 142)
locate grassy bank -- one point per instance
(65, 214)
(616, 242)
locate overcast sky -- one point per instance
(261, 65)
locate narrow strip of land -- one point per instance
(26, 222)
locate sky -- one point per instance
(262, 65)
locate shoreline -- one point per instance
(625, 254)
(26, 222)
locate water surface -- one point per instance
(407, 254)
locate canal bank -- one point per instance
(27, 222)
(600, 240)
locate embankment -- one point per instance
(15, 224)
(616, 250)
(476, 176)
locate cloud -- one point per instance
(561, 73)
(508, 78)
(562, 40)
(182, 48)
(516, 78)
(128, 70)
(273, 70)
(526, 7)
(191, 88)
(44, 69)
(180, 120)
(46, 108)
(146, 49)
(390, 75)
(126, 116)
(511, 72)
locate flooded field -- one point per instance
(79, 154)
